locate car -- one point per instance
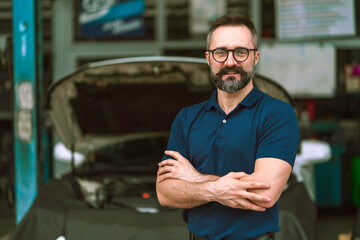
(118, 113)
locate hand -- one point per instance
(180, 168)
(231, 191)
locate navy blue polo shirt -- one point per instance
(216, 143)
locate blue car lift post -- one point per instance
(28, 103)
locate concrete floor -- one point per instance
(330, 224)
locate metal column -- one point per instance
(27, 55)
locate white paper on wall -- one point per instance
(305, 70)
(203, 13)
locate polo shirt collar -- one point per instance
(248, 101)
(212, 102)
(252, 97)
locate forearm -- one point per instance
(205, 178)
(227, 190)
(180, 185)
(182, 194)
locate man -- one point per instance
(229, 158)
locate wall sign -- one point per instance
(303, 19)
(111, 18)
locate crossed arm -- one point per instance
(180, 185)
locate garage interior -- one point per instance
(327, 102)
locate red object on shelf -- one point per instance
(310, 108)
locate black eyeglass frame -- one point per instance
(233, 52)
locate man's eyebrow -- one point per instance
(221, 47)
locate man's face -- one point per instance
(231, 75)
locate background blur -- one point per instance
(311, 48)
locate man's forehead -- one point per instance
(236, 36)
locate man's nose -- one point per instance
(230, 61)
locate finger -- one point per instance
(164, 177)
(168, 162)
(257, 197)
(255, 185)
(251, 206)
(163, 170)
(174, 154)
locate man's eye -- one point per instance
(241, 52)
(220, 52)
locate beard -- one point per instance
(230, 84)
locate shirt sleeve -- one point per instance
(177, 141)
(279, 135)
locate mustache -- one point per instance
(233, 69)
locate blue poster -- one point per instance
(111, 18)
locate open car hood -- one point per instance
(124, 99)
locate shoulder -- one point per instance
(274, 102)
(271, 105)
(276, 114)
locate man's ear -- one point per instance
(257, 54)
(207, 56)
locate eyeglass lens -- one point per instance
(240, 54)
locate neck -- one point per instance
(229, 101)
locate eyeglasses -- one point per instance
(239, 54)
